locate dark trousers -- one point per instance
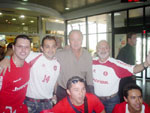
(60, 93)
(123, 83)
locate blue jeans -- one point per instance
(37, 107)
(110, 103)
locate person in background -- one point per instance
(59, 43)
(107, 73)
(74, 61)
(13, 84)
(133, 101)
(78, 100)
(127, 54)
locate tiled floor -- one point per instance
(145, 85)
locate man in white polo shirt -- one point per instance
(107, 73)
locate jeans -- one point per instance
(110, 103)
(37, 107)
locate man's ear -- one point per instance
(125, 99)
(68, 92)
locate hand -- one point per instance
(4, 64)
(54, 99)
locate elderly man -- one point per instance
(78, 100)
(133, 101)
(74, 61)
(107, 72)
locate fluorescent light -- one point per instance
(24, 0)
(22, 16)
(23, 23)
(67, 8)
(57, 20)
(32, 21)
(13, 19)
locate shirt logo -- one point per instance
(105, 73)
(16, 80)
(55, 68)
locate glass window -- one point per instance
(16, 24)
(77, 24)
(99, 24)
(120, 41)
(120, 19)
(136, 17)
(92, 43)
(147, 11)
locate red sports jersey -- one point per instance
(64, 107)
(121, 108)
(13, 86)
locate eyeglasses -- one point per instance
(76, 81)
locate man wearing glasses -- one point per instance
(78, 100)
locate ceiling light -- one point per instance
(23, 24)
(22, 16)
(24, 0)
(32, 21)
(13, 19)
(0, 13)
(67, 8)
(57, 20)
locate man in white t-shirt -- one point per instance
(43, 76)
(107, 73)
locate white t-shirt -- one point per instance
(143, 109)
(106, 75)
(43, 76)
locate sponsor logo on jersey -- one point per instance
(105, 73)
(17, 80)
(21, 87)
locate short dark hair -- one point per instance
(129, 35)
(74, 80)
(129, 87)
(48, 37)
(10, 45)
(23, 37)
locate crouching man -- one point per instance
(133, 101)
(78, 100)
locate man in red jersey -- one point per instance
(78, 100)
(13, 84)
(133, 101)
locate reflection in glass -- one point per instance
(77, 24)
(147, 14)
(100, 23)
(136, 17)
(148, 49)
(120, 19)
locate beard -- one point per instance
(103, 55)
